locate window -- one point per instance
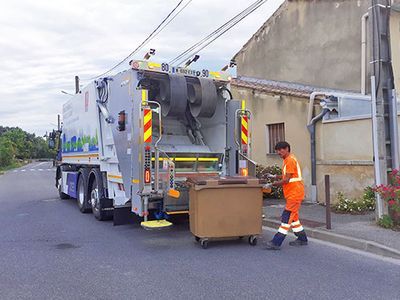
(275, 134)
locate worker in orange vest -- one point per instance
(293, 191)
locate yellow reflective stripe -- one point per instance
(135, 181)
(154, 65)
(285, 226)
(297, 229)
(144, 95)
(185, 158)
(215, 74)
(177, 212)
(244, 137)
(283, 231)
(295, 179)
(244, 123)
(147, 117)
(147, 134)
(208, 159)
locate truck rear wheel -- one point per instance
(101, 206)
(82, 192)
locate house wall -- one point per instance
(344, 148)
(311, 42)
(318, 43)
(269, 109)
(344, 151)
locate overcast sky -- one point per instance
(45, 43)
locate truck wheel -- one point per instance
(60, 192)
(99, 203)
(82, 192)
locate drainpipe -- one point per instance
(364, 53)
(311, 105)
(313, 169)
(311, 128)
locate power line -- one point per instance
(152, 35)
(222, 33)
(197, 47)
(173, 18)
(247, 12)
(211, 34)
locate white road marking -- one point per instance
(22, 215)
(32, 170)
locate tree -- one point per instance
(22, 144)
(7, 152)
(19, 144)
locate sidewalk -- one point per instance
(355, 231)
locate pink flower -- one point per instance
(391, 202)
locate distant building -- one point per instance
(315, 46)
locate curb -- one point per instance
(343, 240)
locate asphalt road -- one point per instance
(49, 250)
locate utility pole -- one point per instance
(384, 103)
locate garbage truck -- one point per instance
(130, 142)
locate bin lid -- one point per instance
(224, 180)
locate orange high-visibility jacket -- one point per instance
(294, 189)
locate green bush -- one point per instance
(261, 173)
(357, 205)
(386, 222)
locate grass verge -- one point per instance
(14, 165)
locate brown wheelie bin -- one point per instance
(225, 208)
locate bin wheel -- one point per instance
(253, 240)
(197, 238)
(204, 244)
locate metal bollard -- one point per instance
(328, 202)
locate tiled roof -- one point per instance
(279, 87)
